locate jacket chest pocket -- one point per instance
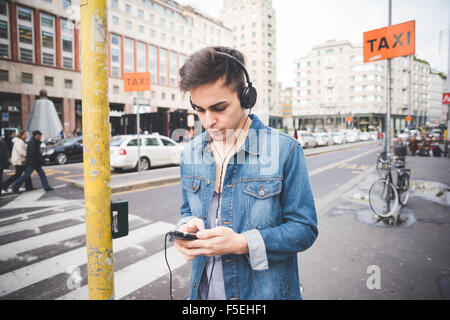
(261, 202)
(194, 195)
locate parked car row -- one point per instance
(312, 140)
(155, 150)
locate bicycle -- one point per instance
(384, 195)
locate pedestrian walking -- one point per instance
(4, 161)
(34, 163)
(18, 160)
(295, 134)
(245, 189)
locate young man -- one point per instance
(34, 162)
(245, 190)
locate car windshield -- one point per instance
(68, 142)
(116, 141)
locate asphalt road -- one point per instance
(42, 239)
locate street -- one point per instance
(43, 253)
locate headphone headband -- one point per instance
(247, 77)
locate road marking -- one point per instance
(30, 200)
(136, 275)
(26, 276)
(65, 178)
(328, 167)
(13, 249)
(36, 224)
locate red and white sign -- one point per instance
(446, 98)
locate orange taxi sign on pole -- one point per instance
(408, 119)
(389, 42)
(137, 81)
(349, 119)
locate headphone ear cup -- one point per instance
(248, 97)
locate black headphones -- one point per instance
(248, 94)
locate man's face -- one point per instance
(37, 137)
(218, 108)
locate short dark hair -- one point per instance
(207, 66)
(36, 132)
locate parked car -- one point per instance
(155, 150)
(64, 151)
(323, 138)
(306, 139)
(338, 137)
(364, 136)
(373, 135)
(351, 135)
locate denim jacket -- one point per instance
(266, 197)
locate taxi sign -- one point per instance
(138, 81)
(389, 42)
(408, 119)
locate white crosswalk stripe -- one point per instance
(20, 273)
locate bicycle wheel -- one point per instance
(383, 198)
(403, 189)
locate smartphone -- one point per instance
(183, 235)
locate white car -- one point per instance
(351, 135)
(323, 138)
(338, 137)
(155, 150)
(373, 135)
(364, 136)
(306, 139)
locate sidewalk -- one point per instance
(155, 177)
(413, 258)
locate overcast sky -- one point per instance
(304, 23)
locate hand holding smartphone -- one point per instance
(183, 235)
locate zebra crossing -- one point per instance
(43, 254)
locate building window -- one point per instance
(67, 45)
(140, 57)
(173, 69)
(48, 39)
(152, 60)
(129, 55)
(67, 63)
(48, 81)
(4, 75)
(115, 55)
(48, 58)
(127, 8)
(25, 34)
(163, 66)
(115, 20)
(68, 83)
(27, 77)
(4, 34)
(24, 14)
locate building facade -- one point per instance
(40, 49)
(253, 28)
(334, 88)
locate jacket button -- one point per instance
(193, 186)
(261, 192)
(208, 182)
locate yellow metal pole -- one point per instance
(97, 172)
